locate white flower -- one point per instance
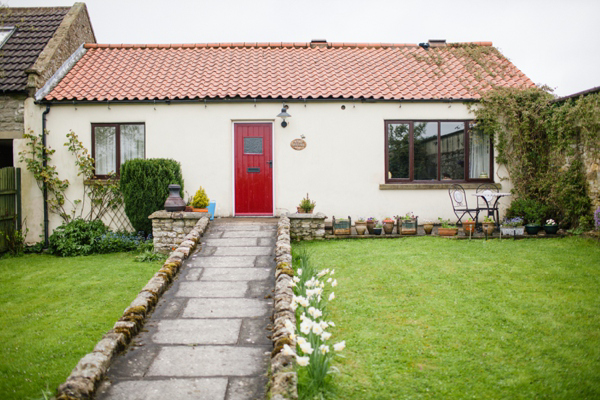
(302, 301)
(331, 323)
(324, 325)
(287, 351)
(324, 349)
(317, 330)
(302, 317)
(314, 312)
(339, 346)
(329, 280)
(306, 348)
(334, 283)
(293, 284)
(299, 272)
(292, 336)
(301, 340)
(296, 279)
(302, 361)
(323, 273)
(290, 326)
(293, 306)
(331, 296)
(325, 335)
(332, 272)
(306, 326)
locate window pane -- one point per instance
(398, 151)
(453, 150)
(479, 154)
(253, 145)
(132, 142)
(106, 149)
(426, 150)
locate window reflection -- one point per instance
(398, 151)
(426, 150)
(452, 150)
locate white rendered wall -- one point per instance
(341, 167)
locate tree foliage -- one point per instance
(542, 143)
(144, 184)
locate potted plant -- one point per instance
(361, 226)
(428, 226)
(371, 222)
(388, 225)
(533, 228)
(306, 206)
(409, 224)
(342, 226)
(377, 229)
(488, 225)
(446, 228)
(200, 201)
(512, 226)
(469, 227)
(551, 227)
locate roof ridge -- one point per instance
(262, 45)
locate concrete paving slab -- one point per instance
(231, 242)
(179, 389)
(254, 331)
(169, 308)
(265, 261)
(237, 227)
(259, 289)
(245, 251)
(198, 331)
(247, 388)
(236, 274)
(134, 363)
(270, 242)
(241, 234)
(207, 361)
(212, 289)
(192, 274)
(224, 262)
(226, 308)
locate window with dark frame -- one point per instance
(113, 144)
(436, 151)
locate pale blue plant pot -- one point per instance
(211, 209)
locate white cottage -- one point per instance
(373, 129)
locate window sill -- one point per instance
(430, 186)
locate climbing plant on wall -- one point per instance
(542, 141)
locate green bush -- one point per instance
(201, 200)
(112, 242)
(75, 238)
(531, 210)
(144, 184)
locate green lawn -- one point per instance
(54, 310)
(429, 317)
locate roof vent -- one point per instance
(437, 42)
(318, 43)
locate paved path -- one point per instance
(207, 338)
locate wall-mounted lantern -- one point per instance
(283, 115)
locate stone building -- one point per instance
(34, 43)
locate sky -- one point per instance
(555, 43)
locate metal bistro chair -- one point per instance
(459, 203)
(488, 202)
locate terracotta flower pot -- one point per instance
(388, 226)
(428, 228)
(447, 231)
(361, 227)
(469, 227)
(301, 211)
(371, 227)
(488, 228)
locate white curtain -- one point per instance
(132, 142)
(105, 149)
(479, 154)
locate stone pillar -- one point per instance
(307, 226)
(170, 228)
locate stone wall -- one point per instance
(169, 229)
(12, 108)
(307, 226)
(74, 30)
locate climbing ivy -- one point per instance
(542, 142)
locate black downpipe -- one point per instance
(45, 163)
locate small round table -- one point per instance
(491, 202)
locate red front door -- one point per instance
(253, 169)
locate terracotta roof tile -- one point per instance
(287, 70)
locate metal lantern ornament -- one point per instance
(174, 201)
(283, 115)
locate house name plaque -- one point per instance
(298, 144)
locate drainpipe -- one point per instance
(45, 188)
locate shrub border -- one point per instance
(91, 368)
(283, 378)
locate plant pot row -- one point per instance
(405, 227)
